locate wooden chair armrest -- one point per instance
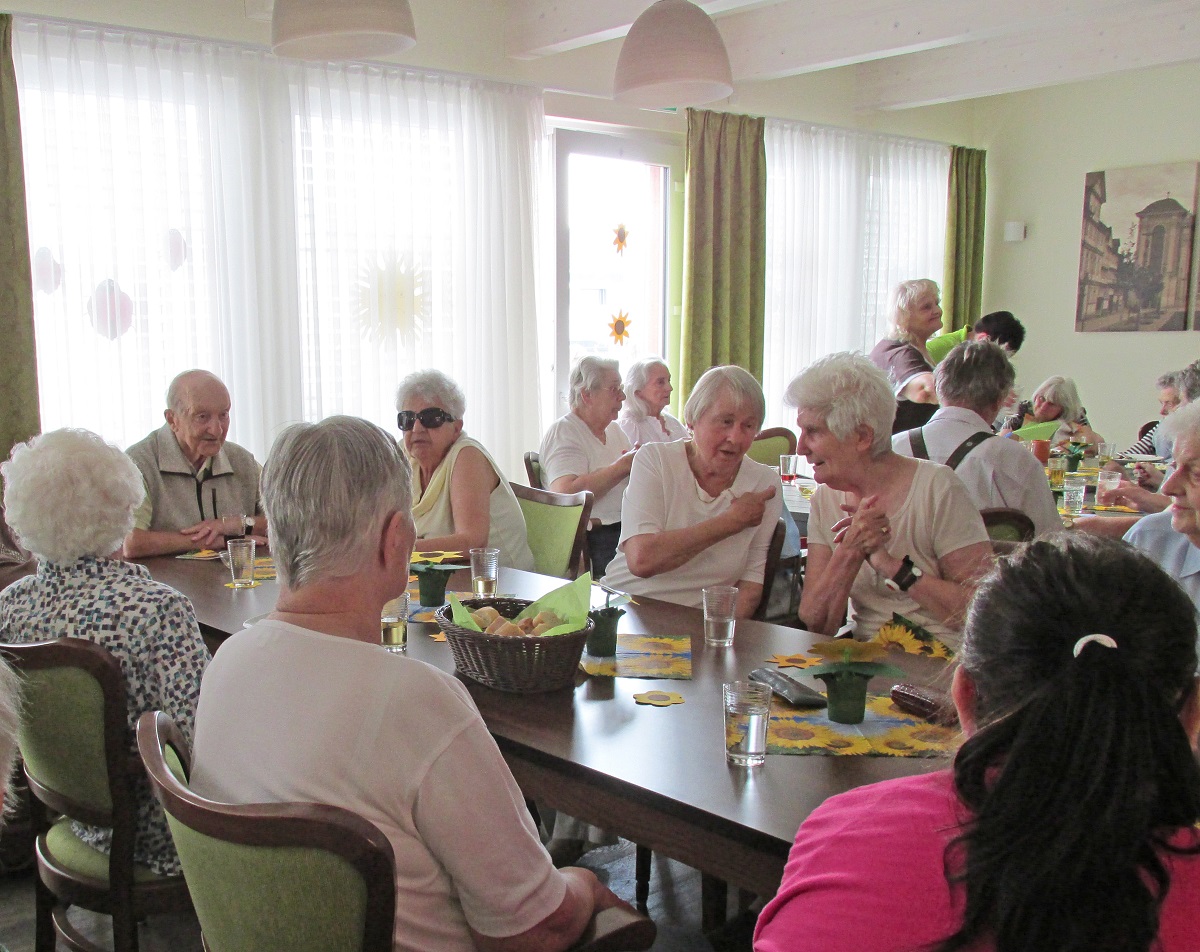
(617, 930)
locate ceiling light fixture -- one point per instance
(672, 56)
(346, 30)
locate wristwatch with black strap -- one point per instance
(905, 578)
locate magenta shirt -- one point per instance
(866, 873)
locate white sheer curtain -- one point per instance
(309, 233)
(849, 215)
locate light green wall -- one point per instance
(1040, 145)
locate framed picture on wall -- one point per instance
(1137, 248)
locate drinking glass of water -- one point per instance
(1074, 489)
(719, 604)
(747, 710)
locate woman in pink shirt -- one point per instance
(1068, 820)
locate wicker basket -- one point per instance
(523, 664)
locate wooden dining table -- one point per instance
(654, 775)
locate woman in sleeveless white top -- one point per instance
(461, 499)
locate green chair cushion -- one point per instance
(769, 450)
(74, 854)
(551, 531)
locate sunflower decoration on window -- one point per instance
(392, 295)
(621, 239)
(620, 327)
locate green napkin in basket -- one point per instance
(571, 601)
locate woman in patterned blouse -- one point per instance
(70, 497)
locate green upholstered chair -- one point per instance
(1007, 525)
(298, 877)
(280, 877)
(533, 470)
(76, 748)
(771, 444)
(556, 524)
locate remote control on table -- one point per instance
(791, 690)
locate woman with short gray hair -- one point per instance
(644, 418)
(888, 535)
(461, 499)
(699, 512)
(585, 450)
(1057, 398)
(914, 315)
(70, 498)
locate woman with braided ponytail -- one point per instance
(1068, 822)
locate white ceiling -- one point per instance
(905, 52)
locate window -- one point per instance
(616, 249)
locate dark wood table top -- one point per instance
(670, 760)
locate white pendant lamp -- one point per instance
(673, 56)
(341, 29)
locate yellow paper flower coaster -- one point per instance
(435, 556)
(437, 636)
(794, 661)
(659, 698)
(251, 585)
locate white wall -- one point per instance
(1040, 145)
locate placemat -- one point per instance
(645, 656)
(886, 731)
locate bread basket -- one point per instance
(521, 664)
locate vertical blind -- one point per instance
(309, 232)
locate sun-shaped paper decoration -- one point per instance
(659, 698)
(622, 238)
(392, 295)
(794, 661)
(891, 635)
(620, 327)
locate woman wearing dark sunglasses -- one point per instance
(461, 499)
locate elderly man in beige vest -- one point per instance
(200, 489)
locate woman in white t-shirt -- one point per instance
(644, 418)
(698, 512)
(887, 533)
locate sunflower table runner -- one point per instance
(645, 656)
(886, 732)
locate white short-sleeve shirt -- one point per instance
(936, 518)
(646, 429)
(999, 472)
(663, 494)
(288, 714)
(570, 448)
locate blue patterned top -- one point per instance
(150, 629)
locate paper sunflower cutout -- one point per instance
(620, 327)
(435, 556)
(392, 296)
(893, 636)
(794, 661)
(622, 238)
(847, 649)
(437, 636)
(659, 698)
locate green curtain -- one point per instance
(962, 285)
(724, 245)
(19, 418)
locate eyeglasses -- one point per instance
(431, 418)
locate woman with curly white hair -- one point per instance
(888, 533)
(70, 498)
(914, 315)
(644, 417)
(461, 500)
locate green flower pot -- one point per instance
(847, 695)
(431, 584)
(602, 642)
